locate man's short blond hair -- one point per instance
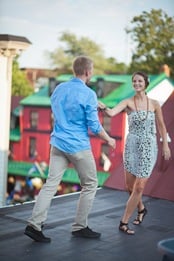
(81, 64)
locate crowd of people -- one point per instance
(23, 189)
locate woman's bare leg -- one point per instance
(134, 199)
(129, 181)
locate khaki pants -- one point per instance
(85, 166)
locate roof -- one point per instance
(64, 77)
(41, 98)
(9, 37)
(104, 217)
(126, 91)
(15, 100)
(109, 78)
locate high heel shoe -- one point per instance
(141, 214)
(125, 228)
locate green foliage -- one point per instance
(62, 57)
(153, 36)
(20, 84)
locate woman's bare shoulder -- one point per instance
(129, 104)
(155, 103)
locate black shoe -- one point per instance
(36, 235)
(86, 232)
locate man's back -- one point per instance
(74, 106)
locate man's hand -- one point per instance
(112, 143)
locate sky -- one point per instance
(102, 21)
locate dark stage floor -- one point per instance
(105, 216)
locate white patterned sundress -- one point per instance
(140, 153)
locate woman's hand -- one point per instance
(166, 153)
(101, 105)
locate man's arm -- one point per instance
(104, 136)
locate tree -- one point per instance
(153, 36)
(20, 84)
(62, 57)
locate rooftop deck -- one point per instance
(105, 216)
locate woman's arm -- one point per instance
(117, 109)
(162, 130)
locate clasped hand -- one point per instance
(101, 105)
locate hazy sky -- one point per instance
(102, 21)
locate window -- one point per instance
(32, 148)
(33, 119)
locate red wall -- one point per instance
(44, 117)
(42, 135)
(42, 146)
(116, 130)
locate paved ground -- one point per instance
(105, 216)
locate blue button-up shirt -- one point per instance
(74, 106)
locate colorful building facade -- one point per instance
(32, 124)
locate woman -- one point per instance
(140, 152)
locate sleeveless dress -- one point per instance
(140, 153)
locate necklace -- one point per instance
(138, 112)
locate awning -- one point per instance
(17, 111)
(15, 134)
(71, 176)
(28, 169)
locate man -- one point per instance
(74, 106)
